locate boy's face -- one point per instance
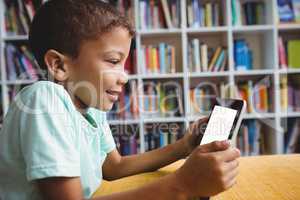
(97, 75)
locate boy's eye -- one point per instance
(113, 61)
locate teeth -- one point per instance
(112, 92)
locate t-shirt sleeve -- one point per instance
(107, 140)
(47, 136)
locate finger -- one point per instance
(230, 184)
(228, 155)
(200, 126)
(231, 176)
(202, 120)
(229, 166)
(214, 147)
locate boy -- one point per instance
(56, 143)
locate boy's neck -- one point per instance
(79, 104)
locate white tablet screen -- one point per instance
(219, 125)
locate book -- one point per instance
(126, 144)
(167, 13)
(250, 138)
(216, 14)
(157, 14)
(282, 54)
(292, 136)
(296, 8)
(20, 63)
(162, 134)
(204, 57)
(196, 54)
(248, 12)
(127, 107)
(208, 15)
(203, 14)
(284, 93)
(162, 100)
(243, 57)
(199, 54)
(257, 95)
(293, 53)
(236, 13)
(159, 58)
(10, 51)
(285, 10)
(190, 14)
(130, 63)
(289, 94)
(214, 59)
(219, 60)
(201, 98)
(173, 59)
(18, 15)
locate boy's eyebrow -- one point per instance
(113, 51)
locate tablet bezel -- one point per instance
(237, 104)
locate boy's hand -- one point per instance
(210, 169)
(193, 135)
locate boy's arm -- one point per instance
(64, 188)
(210, 169)
(155, 159)
(140, 163)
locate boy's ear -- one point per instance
(57, 65)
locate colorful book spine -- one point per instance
(292, 136)
(285, 11)
(289, 95)
(162, 100)
(157, 138)
(214, 59)
(127, 107)
(219, 60)
(296, 8)
(127, 145)
(257, 96)
(20, 63)
(200, 60)
(201, 14)
(131, 63)
(196, 54)
(204, 57)
(293, 53)
(156, 14)
(201, 98)
(282, 54)
(18, 15)
(248, 13)
(159, 58)
(243, 56)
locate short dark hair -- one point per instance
(63, 25)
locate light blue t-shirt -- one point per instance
(43, 135)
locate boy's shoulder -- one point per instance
(45, 94)
(42, 87)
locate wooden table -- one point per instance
(260, 178)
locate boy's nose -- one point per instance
(123, 78)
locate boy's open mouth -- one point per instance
(113, 95)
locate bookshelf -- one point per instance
(262, 39)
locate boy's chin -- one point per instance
(105, 108)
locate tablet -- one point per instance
(224, 120)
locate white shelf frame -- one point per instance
(231, 75)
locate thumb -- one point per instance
(214, 146)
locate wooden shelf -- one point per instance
(15, 38)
